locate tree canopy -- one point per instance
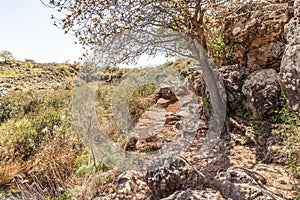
(93, 21)
(6, 56)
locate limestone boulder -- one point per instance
(263, 92)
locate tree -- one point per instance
(6, 56)
(94, 21)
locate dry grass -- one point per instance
(38, 147)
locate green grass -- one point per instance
(38, 69)
(11, 73)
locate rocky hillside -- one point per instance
(26, 76)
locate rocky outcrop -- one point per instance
(290, 65)
(263, 92)
(196, 80)
(254, 33)
(254, 36)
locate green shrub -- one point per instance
(37, 118)
(141, 99)
(10, 73)
(143, 91)
(258, 128)
(9, 108)
(287, 125)
(32, 105)
(179, 64)
(66, 69)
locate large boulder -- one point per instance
(171, 177)
(263, 92)
(290, 65)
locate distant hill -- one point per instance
(29, 75)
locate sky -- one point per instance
(28, 32)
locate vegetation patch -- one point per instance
(10, 73)
(287, 125)
(37, 133)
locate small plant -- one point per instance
(293, 163)
(258, 128)
(257, 115)
(285, 115)
(239, 106)
(206, 103)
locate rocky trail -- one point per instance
(231, 171)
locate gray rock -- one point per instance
(169, 178)
(131, 186)
(263, 92)
(242, 184)
(290, 76)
